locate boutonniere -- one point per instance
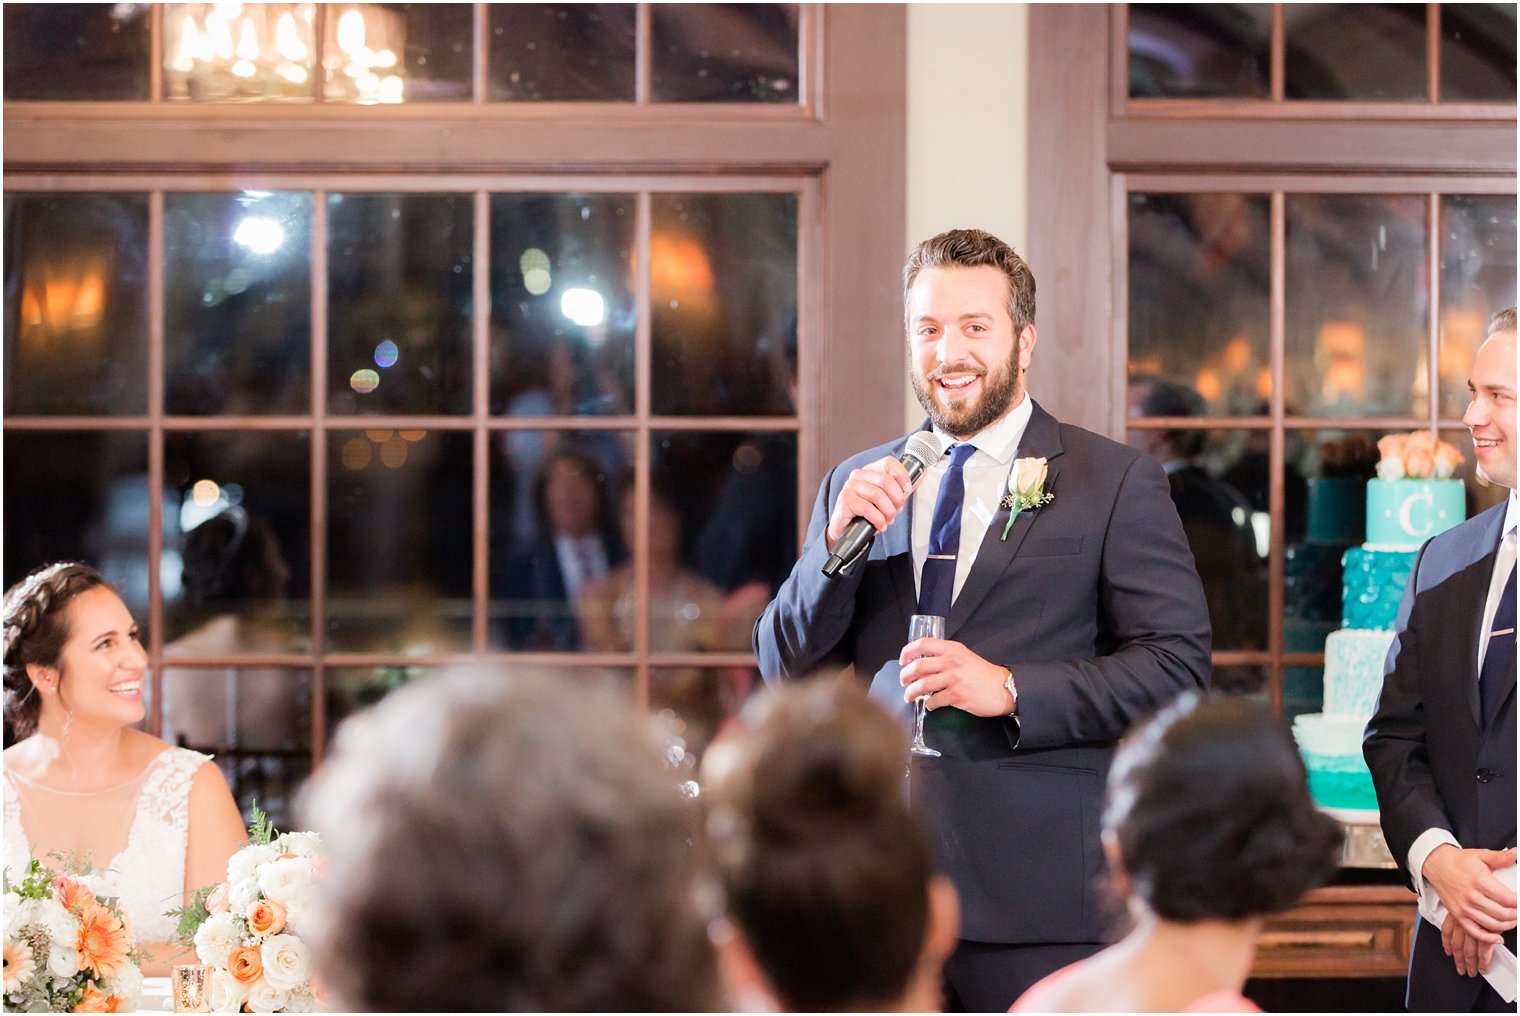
(1026, 490)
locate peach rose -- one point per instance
(266, 917)
(1392, 446)
(1420, 463)
(1423, 440)
(96, 1000)
(245, 965)
(1447, 461)
(1028, 476)
(217, 903)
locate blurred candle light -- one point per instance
(287, 40)
(351, 31)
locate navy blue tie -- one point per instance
(936, 585)
(1500, 656)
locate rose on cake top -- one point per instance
(1419, 455)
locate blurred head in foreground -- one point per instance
(496, 843)
(1208, 829)
(833, 902)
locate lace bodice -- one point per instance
(149, 873)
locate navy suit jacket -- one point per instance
(1095, 605)
(1434, 762)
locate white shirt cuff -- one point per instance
(1421, 849)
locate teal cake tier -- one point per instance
(1337, 509)
(1354, 672)
(1372, 584)
(1331, 747)
(1406, 513)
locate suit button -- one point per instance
(1484, 775)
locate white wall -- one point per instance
(968, 126)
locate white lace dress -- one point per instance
(149, 873)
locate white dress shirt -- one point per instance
(1430, 839)
(582, 559)
(986, 476)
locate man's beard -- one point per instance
(999, 391)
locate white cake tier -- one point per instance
(1354, 660)
(1330, 736)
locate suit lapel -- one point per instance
(1474, 590)
(1042, 438)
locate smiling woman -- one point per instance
(80, 783)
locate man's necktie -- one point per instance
(1500, 656)
(936, 585)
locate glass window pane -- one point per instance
(1478, 267)
(1355, 51)
(555, 535)
(1199, 267)
(351, 690)
(76, 51)
(724, 299)
(399, 53)
(257, 724)
(562, 308)
(399, 285)
(1358, 296)
(242, 52)
(1478, 53)
(691, 706)
(1209, 473)
(76, 303)
(1199, 51)
(1243, 680)
(79, 496)
(236, 575)
(399, 540)
(561, 52)
(237, 303)
(724, 53)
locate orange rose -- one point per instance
(1420, 463)
(245, 965)
(217, 902)
(266, 917)
(1447, 461)
(1393, 446)
(96, 1000)
(1423, 440)
(72, 893)
(102, 941)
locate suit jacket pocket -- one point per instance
(1053, 546)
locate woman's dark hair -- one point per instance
(1210, 805)
(36, 628)
(826, 867)
(232, 558)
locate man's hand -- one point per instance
(1471, 956)
(953, 676)
(875, 492)
(1478, 905)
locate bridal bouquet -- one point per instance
(67, 944)
(248, 928)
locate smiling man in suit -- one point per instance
(1066, 620)
(1441, 745)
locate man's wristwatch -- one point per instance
(1013, 690)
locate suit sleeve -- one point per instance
(807, 626)
(1151, 604)
(1394, 745)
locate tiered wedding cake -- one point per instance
(1412, 500)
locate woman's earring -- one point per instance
(68, 721)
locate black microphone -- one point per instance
(924, 447)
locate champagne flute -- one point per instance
(923, 626)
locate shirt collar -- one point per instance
(1512, 513)
(1001, 438)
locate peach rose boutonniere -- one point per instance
(1026, 490)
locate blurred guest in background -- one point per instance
(80, 780)
(1208, 828)
(831, 889)
(502, 844)
(577, 545)
(1441, 745)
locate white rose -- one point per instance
(303, 843)
(15, 914)
(216, 938)
(287, 961)
(103, 882)
(1390, 469)
(298, 913)
(244, 864)
(63, 960)
(127, 985)
(286, 880)
(265, 997)
(227, 993)
(61, 925)
(244, 894)
(301, 1000)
